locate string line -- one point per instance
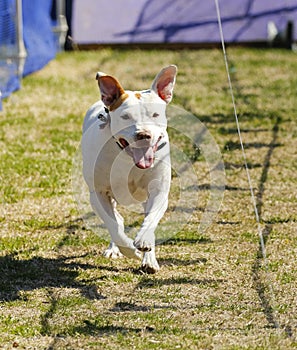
(239, 134)
(254, 203)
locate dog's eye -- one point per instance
(125, 116)
(155, 115)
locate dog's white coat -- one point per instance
(136, 120)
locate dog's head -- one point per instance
(137, 118)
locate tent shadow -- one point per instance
(180, 262)
(149, 282)
(92, 328)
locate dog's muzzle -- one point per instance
(142, 152)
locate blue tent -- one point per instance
(39, 39)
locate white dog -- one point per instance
(126, 159)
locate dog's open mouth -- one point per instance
(142, 154)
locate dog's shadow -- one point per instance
(23, 275)
(19, 275)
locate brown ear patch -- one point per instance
(118, 102)
(138, 95)
(110, 89)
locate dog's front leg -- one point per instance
(155, 208)
(145, 239)
(149, 262)
(105, 208)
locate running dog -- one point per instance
(126, 160)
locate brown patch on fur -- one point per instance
(118, 102)
(138, 95)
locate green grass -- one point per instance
(214, 290)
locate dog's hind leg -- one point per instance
(105, 208)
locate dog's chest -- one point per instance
(129, 188)
(116, 174)
(128, 196)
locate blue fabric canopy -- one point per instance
(39, 39)
(9, 80)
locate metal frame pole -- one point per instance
(22, 53)
(61, 27)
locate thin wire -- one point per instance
(262, 242)
(239, 134)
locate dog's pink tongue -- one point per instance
(143, 157)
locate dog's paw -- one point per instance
(149, 263)
(131, 252)
(112, 252)
(144, 244)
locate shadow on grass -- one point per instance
(229, 131)
(17, 275)
(93, 328)
(232, 145)
(266, 165)
(207, 187)
(216, 118)
(181, 262)
(192, 238)
(132, 307)
(263, 287)
(232, 166)
(225, 118)
(151, 282)
(260, 286)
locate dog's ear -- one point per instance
(110, 89)
(164, 83)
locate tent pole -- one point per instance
(22, 53)
(61, 27)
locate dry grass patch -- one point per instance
(214, 290)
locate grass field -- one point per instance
(214, 290)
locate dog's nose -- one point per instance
(143, 135)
